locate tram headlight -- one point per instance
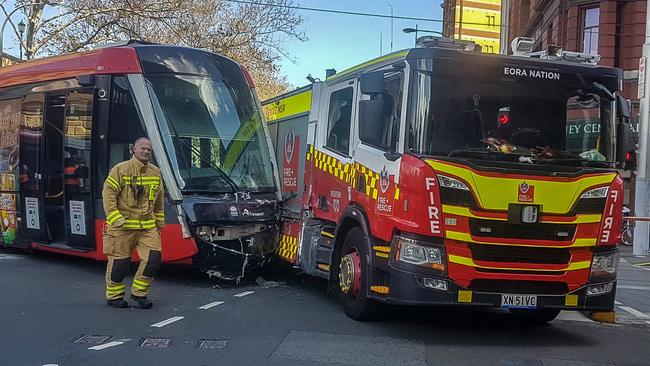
(419, 253)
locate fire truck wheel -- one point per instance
(352, 278)
(534, 316)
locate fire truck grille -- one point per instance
(516, 254)
(519, 287)
(503, 229)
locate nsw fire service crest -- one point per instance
(384, 180)
(289, 145)
(526, 193)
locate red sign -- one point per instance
(526, 193)
(290, 162)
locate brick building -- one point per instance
(615, 30)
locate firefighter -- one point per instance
(133, 203)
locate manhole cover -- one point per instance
(212, 344)
(92, 339)
(155, 342)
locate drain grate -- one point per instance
(91, 339)
(155, 342)
(212, 344)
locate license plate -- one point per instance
(519, 301)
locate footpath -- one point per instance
(633, 288)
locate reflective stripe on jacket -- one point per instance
(133, 196)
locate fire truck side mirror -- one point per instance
(371, 115)
(624, 142)
(622, 109)
(372, 83)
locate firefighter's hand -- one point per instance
(119, 222)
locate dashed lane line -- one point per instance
(210, 305)
(617, 303)
(635, 312)
(647, 321)
(168, 321)
(106, 345)
(630, 287)
(245, 293)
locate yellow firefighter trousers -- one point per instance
(118, 245)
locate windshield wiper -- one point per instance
(221, 173)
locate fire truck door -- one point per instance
(379, 148)
(332, 157)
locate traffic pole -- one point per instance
(642, 198)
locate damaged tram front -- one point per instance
(80, 112)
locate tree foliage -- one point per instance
(250, 33)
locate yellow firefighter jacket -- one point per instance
(133, 196)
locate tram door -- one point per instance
(58, 209)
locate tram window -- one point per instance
(339, 120)
(78, 125)
(124, 122)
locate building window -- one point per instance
(590, 18)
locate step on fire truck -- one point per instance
(441, 175)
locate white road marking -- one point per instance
(9, 256)
(647, 321)
(623, 260)
(106, 345)
(210, 305)
(635, 312)
(573, 316)
(167, 322)
(246, 293)
(618, 303)
(630, 287)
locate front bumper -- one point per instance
(232, 259)
(406, 289)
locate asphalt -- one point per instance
(633, 288)
(52, 312)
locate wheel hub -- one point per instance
(350, 273)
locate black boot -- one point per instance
(117, 303)
(142, 301)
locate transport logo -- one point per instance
(289, 144)
(526, 193)
(384, 182)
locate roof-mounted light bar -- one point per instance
(444, 42)
(557, 53)
(522, 46)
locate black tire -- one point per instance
(534, 316)
(358, 307)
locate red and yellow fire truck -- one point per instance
(441, 175)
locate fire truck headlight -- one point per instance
(604, 266)
(417, 252)
(449, 182)
(596, 193)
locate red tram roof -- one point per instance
(110, 60)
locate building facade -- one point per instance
(474, 20)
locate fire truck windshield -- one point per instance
(495, 118)
(213, 133)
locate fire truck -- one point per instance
(441, 175)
